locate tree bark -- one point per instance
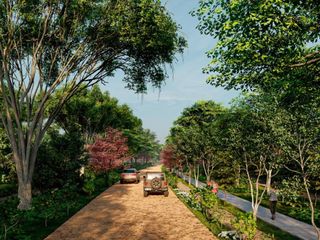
(24, 194)
(268, 181)
(305, 183)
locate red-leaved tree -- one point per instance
(167, 157)
(108, 152)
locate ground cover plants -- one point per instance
(222, 218)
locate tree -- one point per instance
(251, 139)
(109, 152)
(47, 46)
(195, 140)
(167, 157)
(91, 112)
(60, 158)
(261, 44)
(300, 142)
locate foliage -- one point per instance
(193, 140)
(143, 144)
(303, 214)
(167, 157)
(91, 112)
(7, 189)
(245, 224)
(60, 158)
(7, 169)
(109, 152)
(172, 180)
(205, 201)
(49, 210)
(89, 181)
(290, 192)
(46, 46)
(261, 43)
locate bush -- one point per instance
(7, 189)
(245, 225)
(113, 177)
(49, 210)
(172, 180)
(205, 201)
(59, 160)
(89, 183)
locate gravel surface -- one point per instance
(121, 212)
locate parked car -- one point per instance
(155, 182)
(130, 175)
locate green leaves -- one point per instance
(257, 40)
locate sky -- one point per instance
(185, 85)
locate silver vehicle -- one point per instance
(130, 175)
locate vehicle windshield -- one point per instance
(129, 171)
(151, 176)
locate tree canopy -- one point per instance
(48, 45)
(261, 43)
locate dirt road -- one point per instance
(121, 212)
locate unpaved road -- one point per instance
(121, 212)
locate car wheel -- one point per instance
(137, 181)
(145, 193)
(156, 183)
(121, 181)
(166, 193)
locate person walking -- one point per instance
(273, 202)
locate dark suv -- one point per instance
(155, 182)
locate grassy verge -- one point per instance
(301, 214)
(262, 226)
(267, 231)
(49, 210)
(214, 227)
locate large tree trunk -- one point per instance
(25, 158)
(25, 195)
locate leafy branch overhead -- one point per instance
(46, 46)
(260, 42)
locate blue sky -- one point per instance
(186, 85)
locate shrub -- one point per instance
(59, 160)
(172, 180)
(245, 224)
(7, 189)
(89, 185)
(205, 201)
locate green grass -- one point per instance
(281, 208)
(262, 226)
(216, 227)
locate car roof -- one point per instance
(130, 169)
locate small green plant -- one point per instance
(172, 180)
(205, 201)
(245, 224)
(89, 182)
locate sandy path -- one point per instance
(121, 212)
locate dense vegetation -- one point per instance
(269, 135)
(50, 47)
(72, 167)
